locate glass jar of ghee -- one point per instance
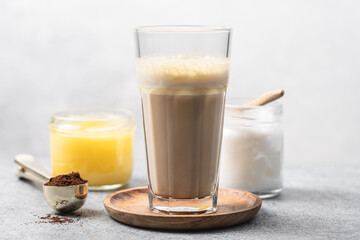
(97, 144)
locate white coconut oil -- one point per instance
(252, 148)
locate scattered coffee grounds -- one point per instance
(56, 219)
(66, 180)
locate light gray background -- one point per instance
(58, 55)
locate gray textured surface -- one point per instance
(319, 201)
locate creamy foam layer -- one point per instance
(183, 92)
(182, 72)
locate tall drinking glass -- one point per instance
(182, 73)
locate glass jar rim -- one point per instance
(101, 115)
(239, 104)
(118, 120)
(182, 28)
(236, 109)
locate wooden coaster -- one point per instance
(131, 206)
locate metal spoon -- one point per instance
(62, 199)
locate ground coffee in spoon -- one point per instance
(70, 179)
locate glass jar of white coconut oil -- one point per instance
(252, 148)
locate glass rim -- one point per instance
(182, 28)
(238, 103)
(120, 121)
(89, 115)
(234, 107)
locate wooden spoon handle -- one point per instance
(266, 98)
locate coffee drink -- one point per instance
(183, 105)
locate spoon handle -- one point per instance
(30, 169)
(22, 173)
(266, 98)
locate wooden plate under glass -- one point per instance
(131, 206)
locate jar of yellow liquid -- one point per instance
(97, 144)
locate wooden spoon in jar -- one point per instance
(266, 98)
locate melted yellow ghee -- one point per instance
(100, 152)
